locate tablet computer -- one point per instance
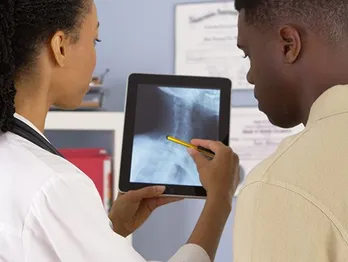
(159, 107)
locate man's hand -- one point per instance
(132, 209)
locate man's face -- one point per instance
(273, 79)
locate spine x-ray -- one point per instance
(184, 113)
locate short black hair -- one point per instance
(326, 17)
(25, 25)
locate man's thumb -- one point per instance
(146, 192)
(197, 157)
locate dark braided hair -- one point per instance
(7, 65)
(25, 26)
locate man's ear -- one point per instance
(59, 46)
(291, 43)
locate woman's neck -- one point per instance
(32, 103)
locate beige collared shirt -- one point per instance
(294, 205)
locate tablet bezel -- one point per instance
(136, 79)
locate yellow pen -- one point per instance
(200, 149)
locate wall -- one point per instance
(138, 36)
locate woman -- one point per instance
(50, 210)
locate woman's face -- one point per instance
(74, 64)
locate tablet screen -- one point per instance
(162, 111)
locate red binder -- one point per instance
(95, 163)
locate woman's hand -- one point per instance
(221, 175)
(132, 209)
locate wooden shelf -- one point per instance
(84, 120)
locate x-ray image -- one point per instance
(184, 113)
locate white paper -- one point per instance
(254, 138)
(206, 43)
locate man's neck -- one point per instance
(312, 90)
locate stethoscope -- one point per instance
(22, 129)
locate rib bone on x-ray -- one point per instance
(184, 113)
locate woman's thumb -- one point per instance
(146, 192)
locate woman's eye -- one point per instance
(97, 41)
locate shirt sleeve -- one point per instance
(67, 222)
(273, 223)
(191, 252)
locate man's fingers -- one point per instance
(146, 192)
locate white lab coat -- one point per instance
(51, 211)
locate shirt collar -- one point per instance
(26, 121)
(332, 102)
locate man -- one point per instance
(294, 205)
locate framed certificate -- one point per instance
(206, 42)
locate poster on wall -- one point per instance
(206, 42)
(253, 137)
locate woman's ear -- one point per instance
(59, 47)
